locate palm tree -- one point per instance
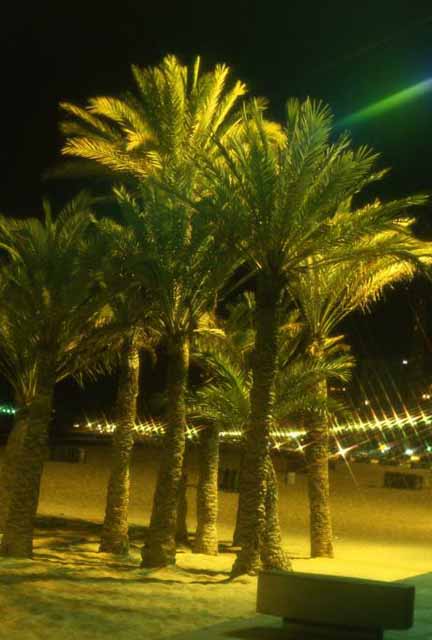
(223, 403)
(114, 538)
(279, 202)
(155, 132)
(272, 554)
(173, 110)
(20, 374)
(182, 533)
(218, 405)
(175, 256)
(135, 335)
(50, 307)
(325, 295)
(130, 316)
(206, 538)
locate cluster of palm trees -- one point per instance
(207, 194)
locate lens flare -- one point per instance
(395, 100)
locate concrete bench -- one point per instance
(321, 606)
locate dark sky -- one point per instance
(348, 53)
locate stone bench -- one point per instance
(321, 606)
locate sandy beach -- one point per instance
(70, 591)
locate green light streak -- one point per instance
(391, 102)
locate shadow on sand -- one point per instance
(61, 545)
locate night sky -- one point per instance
(350, 54)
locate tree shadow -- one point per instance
(68, 576)
(64, 541)
(62, 523)
(58, 522)
(82, 560)
(206, 572)
(92, 617)
(58, 534)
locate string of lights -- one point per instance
(406, 436)
(6, 409)
(403, 437)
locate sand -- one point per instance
(362, 508)
(70, 591)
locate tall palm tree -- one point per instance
(129, 314)
(136, 336)
(114, 538)
(175, 256)
(156, 131)
(223, 402)
(279, 202)
(325, 295)
(206, 538)
(50, 306)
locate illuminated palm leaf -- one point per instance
(173, 110)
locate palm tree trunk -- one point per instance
(10, 460)
(114, 537)
(317, 459)
(257, 439)
(240, 524)
(160, 549)
(272, 554)
(206, 539)
(182, 535)
(17, 538)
